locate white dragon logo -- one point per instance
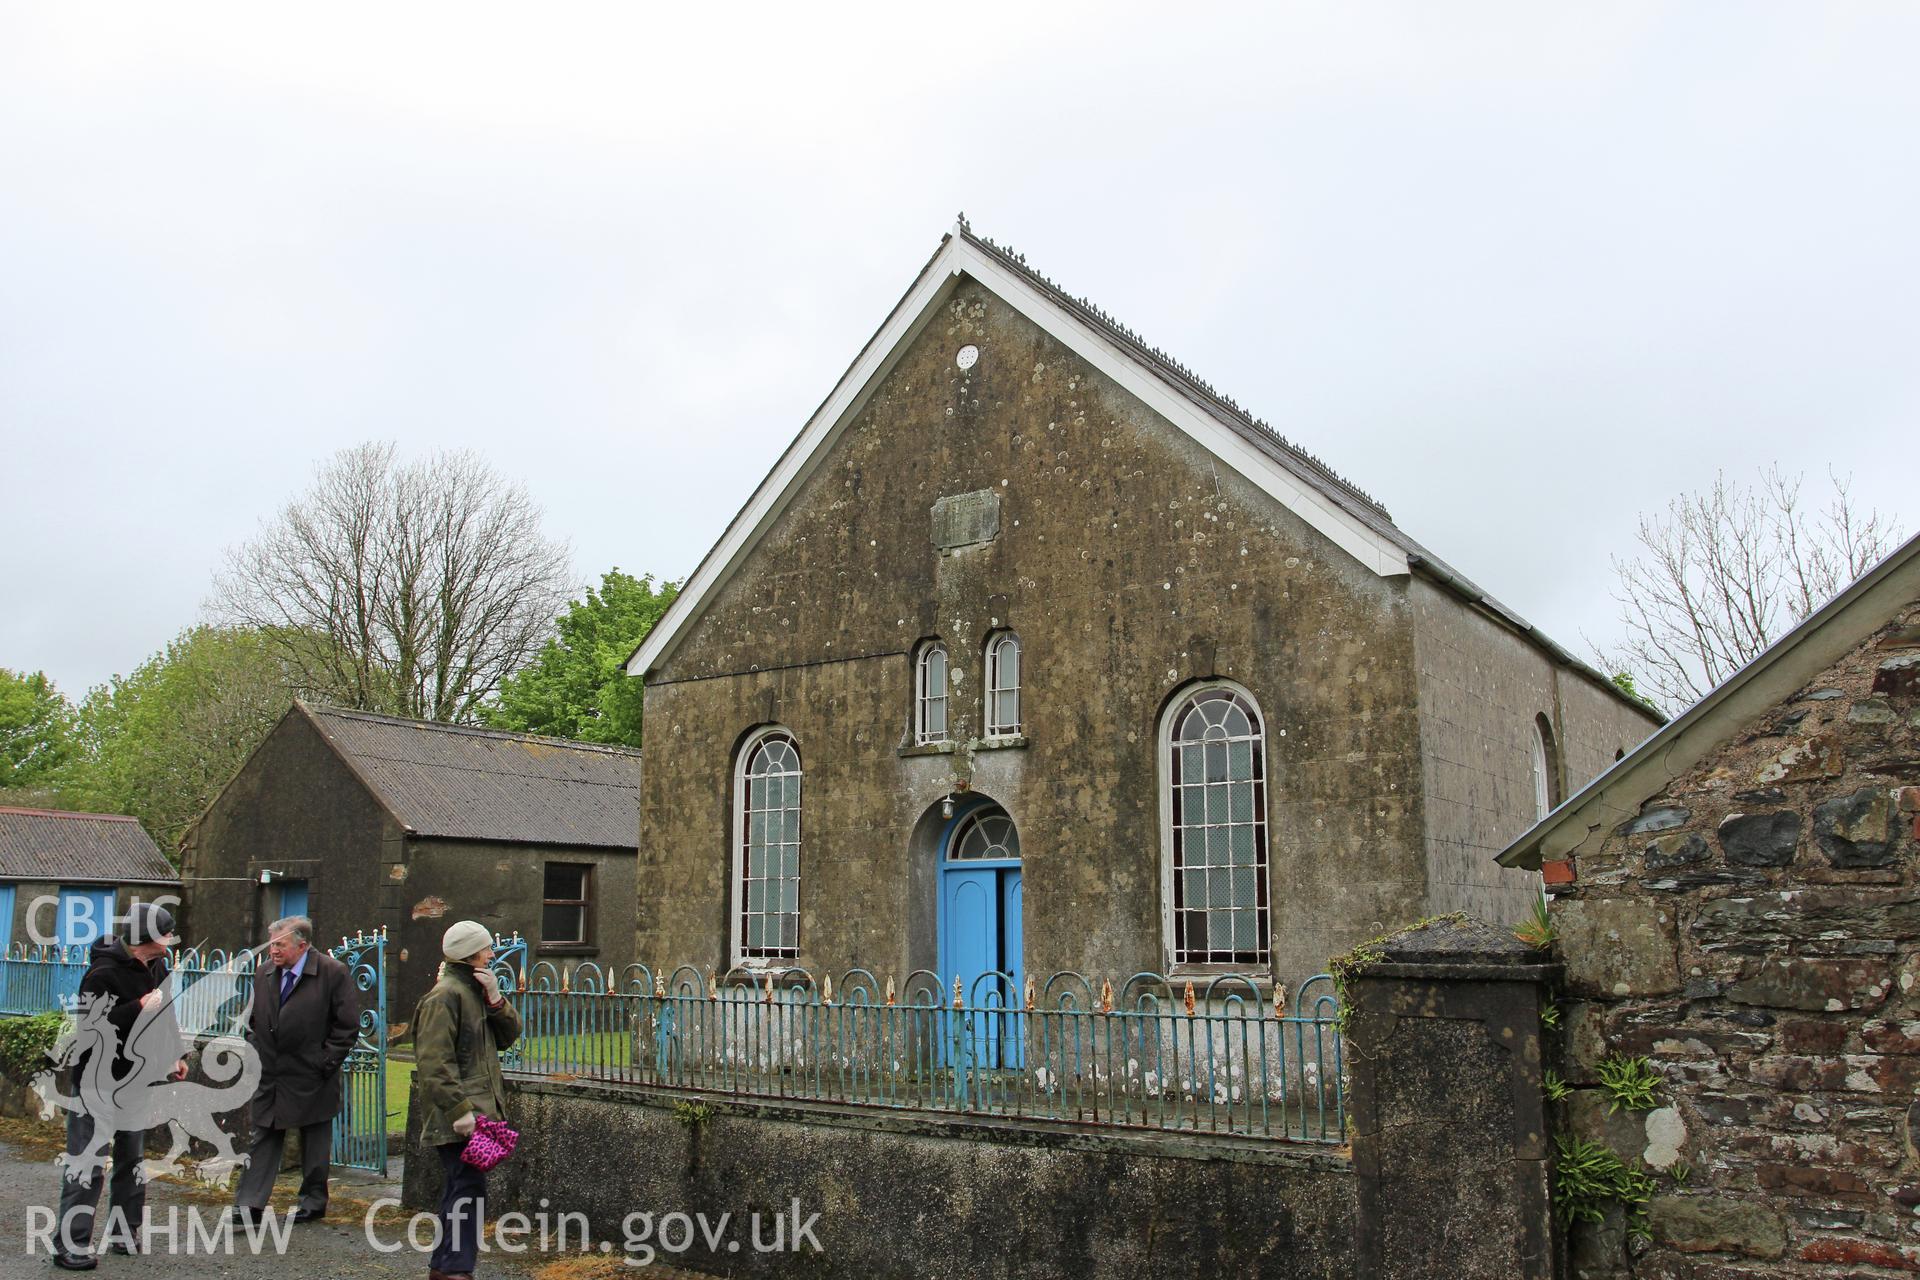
(147, 1096)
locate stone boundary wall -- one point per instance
(901, 1194)
(1755, 933)
(1446, 1177)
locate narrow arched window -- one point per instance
(767, 849)
(1003, 686)
(930, 694)
(1546, 769)
(1214, 807)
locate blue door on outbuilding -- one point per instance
(293, 898)
(86, 913)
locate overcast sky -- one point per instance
(1520, 271)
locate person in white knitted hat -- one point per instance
(458, 1031)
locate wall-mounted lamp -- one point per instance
(266, 877)
(946, 807)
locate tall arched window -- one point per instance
(1546, 769)
(930, 694)
(1003, 686)
(767, 849)
(1214, 822)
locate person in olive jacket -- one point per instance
(458, 1031)
(303, 1024)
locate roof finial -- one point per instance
(960, 220)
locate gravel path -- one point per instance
(337, 1247)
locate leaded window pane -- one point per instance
(1240, 845)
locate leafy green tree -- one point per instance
(160, 743)
(577, 687)
(36, 729)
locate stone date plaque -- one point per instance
(966, 519)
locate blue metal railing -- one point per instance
(1217, 1060)
(40, 979)
(210, 988)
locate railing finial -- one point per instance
(1186, 997)
(890, 999)
(826, 989)
(1029, 992)
(957, 1001)
(1106, 995)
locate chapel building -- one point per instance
(1034, 653)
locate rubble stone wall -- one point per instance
(1755, 934)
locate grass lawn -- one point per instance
(597, 1048)
(606, 1048)
(399, 1084)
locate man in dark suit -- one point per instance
(304, 1022)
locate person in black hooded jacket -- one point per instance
(131, 968)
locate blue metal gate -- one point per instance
(360, 1130)
(510, 967)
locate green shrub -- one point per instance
(26, 1042)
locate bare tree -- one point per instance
(1725, 573)
(412, 588)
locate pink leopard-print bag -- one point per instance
(492, 1142)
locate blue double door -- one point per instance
(979, 930)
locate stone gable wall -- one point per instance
(1130, 564)
(1755, 932)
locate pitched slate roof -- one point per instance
(1256, 431)
(1352, 519)
(483, 784)
(51, 845)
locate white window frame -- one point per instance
(929, 693)
(997, 728)
(1544, 765)
(1176, 707)
(765, 957)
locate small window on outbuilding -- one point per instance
(566, 905)
(1003, 686)
(930, 694)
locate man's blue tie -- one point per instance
(286, 984)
